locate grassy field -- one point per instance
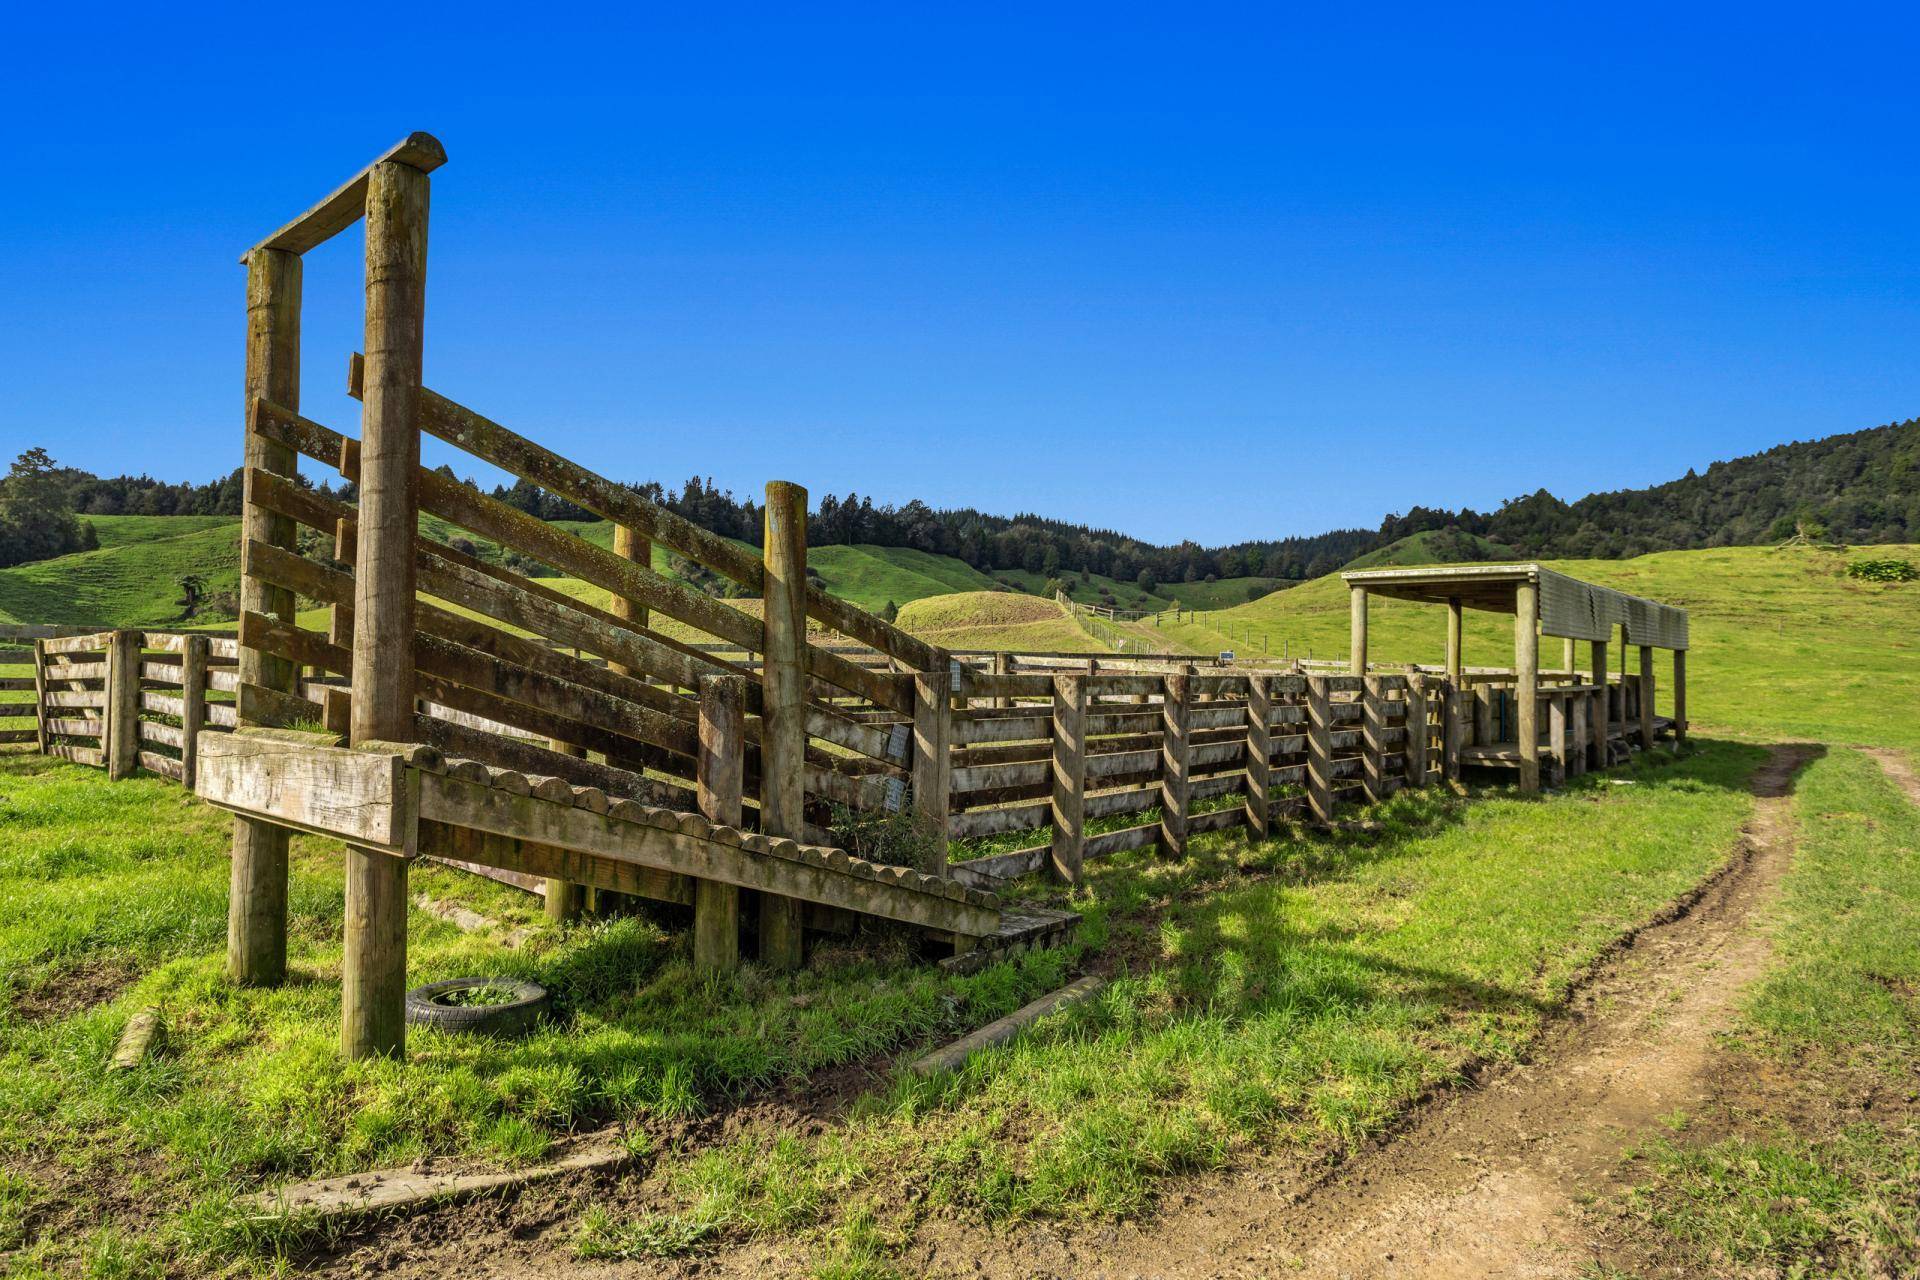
(121, 531)
(1434, 546)
(1295, 994)
(133, 583)
(1784, 642)
(997, 620)
(1810, 1167)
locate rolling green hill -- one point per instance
(1785, 644)
(997, 620)
(134, 583)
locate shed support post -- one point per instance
(374, 968)
(1456, 640)
(1176, 752)
(721, 774)
(1357, 631)
(1526, 682)
(1069, 777)
(1557, 730)
(1602, 704)
(1646, 697)
(933, 762)
(1259, 751)
(783, 741)
(257, 883)
(1679, 700)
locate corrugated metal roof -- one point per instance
(1568, 606)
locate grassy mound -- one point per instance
(996, 620)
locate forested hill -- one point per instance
(1861, 487)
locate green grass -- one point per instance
(1785, 644)
(997, 620)
(1296, 994)
(121, 531)
(1816, 1183)
(136, 583)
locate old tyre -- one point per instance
(493, 1006)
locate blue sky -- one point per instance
(1217, 273)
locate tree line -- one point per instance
(1860, 487)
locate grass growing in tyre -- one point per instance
(1296, 994)
(1820, 1175)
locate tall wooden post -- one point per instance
(122, 738)
(1069, 777)
(1566, 654)
(193, 705)
(783, 740)
(1319, 749)
(1602, 705)
(1646, 697)
(257, 886)
(1176, 753)
(933, 762)
(1259, 751)
(374, 968)
(1579, 736)
(1526, 682)
(1679, 700)
(1357, 631)
(633, 546)
(721, 773)
(1002, 665)
(1557, 741)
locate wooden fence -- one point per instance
(122, 699)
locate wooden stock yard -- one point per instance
(458, 710)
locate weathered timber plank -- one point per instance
(346, 205)
(362, 797)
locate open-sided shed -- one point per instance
(1542, 602)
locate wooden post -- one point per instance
(340, 616)
(1566, 654)
(1679, 700)
(1646, 697)
(565, 900)
(1579, 735)
(1557, 735)
(1373, 735)
(1176, 751)
(783, 733)
(1357, 628)
(43, 740)
(1002, 665)
(1259, 751)
(1456, 640)
(933, 761)
(1069, 777)
(193, 705)
(1482, 696)
(1526, 682)
(1602, 705)
(374, 967)
(1453, 731)
(122, 739)
(1418, 733)
(257, 887)
(1319, 749)
(721, 770)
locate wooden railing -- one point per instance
(123, 699)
